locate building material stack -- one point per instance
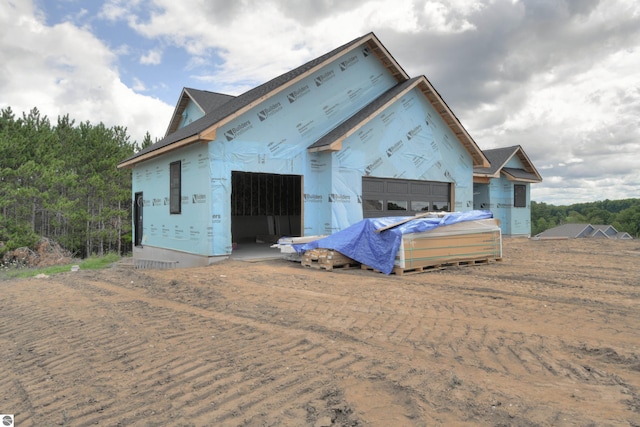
(401, 245)
(466, 242)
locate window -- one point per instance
(519, 196)
(175, 187)
(400, 197)
(441, 207)
(372, 205)
(419, 206)
(397, 205)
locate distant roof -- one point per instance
(205, 127)
(499, 157)
(573, 231)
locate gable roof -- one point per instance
(574, 231)
(567, 231)
(606, 229)
(623, 235)
(499, 157)
(204, 129)
(332, 141)
(205, 100)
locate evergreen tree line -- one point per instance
(61, 182)
(623, 215)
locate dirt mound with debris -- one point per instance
(45, 253)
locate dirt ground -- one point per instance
(550, 336)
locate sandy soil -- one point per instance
(550, 336)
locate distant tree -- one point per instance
(62, 182)
(575, 217)
(628, 220)
(146, 142)
(597, 215)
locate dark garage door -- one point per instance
(401, 197)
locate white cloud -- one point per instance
(64, 69)
(153, 57)
(138, 85)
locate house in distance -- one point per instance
(346, 136)
(583, 231)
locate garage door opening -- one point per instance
(265, 206)
(383, 197)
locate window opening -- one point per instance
(175, 187)
(520, 196)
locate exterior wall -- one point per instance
(497, 197)
(408, 140)
(514, 221)
(317, 195)
(190, 231)
(273, 137)
(191, 113)
(481, 197)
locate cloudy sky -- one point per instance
(561, 78)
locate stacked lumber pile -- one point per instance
(470, 242)
(326, 259)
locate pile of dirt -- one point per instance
(45, 253)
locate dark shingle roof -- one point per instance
(206, 100)
(569, 231)
(498, 157)
(237, 103)
(520, 174)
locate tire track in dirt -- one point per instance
(486, 355)
(281, 345)
(235, 373)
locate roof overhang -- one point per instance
(425, 87)
(513, 178)
(128, 164)
(484, 179)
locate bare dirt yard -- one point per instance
(550, 336)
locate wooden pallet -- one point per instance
(327, 259)
(398, 271)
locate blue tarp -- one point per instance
(378, 250)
